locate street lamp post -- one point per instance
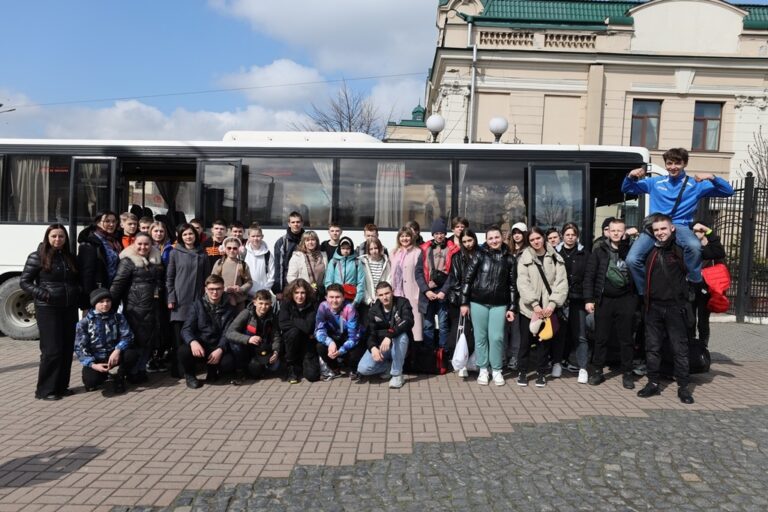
(498, 125)
(435, 124)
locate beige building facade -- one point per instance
(659, 74)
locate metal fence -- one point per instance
(742, 223)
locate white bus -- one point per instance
(261, 177)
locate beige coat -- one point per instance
(530, 286)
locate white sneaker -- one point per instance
(498, 378)
(396, 382)
(583, 376)
(557, 371)
(463, 373)
(483, 378)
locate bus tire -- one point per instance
(17, 312)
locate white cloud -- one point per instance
(396, 99)
(352, 36)
(257, 80)
(133, 119)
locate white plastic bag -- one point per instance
(472, 363)
(461, 352)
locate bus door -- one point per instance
(91, 190)
(219, 190)
(557, 194)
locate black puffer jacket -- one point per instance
(58, 287)
(575, 265)
(139, 284)
(597, 266)
(206, 328)
(458, 264)
(92, 264)
(297, 322)
(491, 279)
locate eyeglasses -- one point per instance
(231, 248)
(216, 290)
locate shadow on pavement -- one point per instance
(46, 466)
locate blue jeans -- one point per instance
(643, 246)
(439, 308)
(393, 359)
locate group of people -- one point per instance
(227, 302)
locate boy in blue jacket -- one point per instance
(663, 193)
(102, 342)
(337, 332)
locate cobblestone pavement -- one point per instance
(595, 463)
(438, 442)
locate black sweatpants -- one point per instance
(667, 321)
(300, 354)
(189, 362)
(92, 378)
(57, 346)
(615, 314)
(543, 348)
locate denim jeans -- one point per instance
(439, 308)
(393, 359)
(684, 237)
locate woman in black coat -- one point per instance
(98, 255)
(50, 275)
(575, 256)
(297, 323)
(139, 284)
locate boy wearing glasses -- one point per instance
(203, 334)
(234, 271)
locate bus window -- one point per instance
(389, 193)
(491, 192)
(558, 196)
(36, 189)
(218, 182)
(279, 186)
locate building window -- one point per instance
(645, 123)
(706, 126)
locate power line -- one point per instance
(212, 91)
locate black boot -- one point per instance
(649, 390)
(628, 381)
(684, 394)
(192, 382)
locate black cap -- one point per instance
(98, 294)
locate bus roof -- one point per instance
(324, 140)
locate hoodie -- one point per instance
(262, 266)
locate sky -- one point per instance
(195, 69)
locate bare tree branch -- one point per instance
(349, 111)
(757, 157)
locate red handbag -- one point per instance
(718, 281)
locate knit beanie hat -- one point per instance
(439, 226)
(99, 294)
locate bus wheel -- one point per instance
(17, 311)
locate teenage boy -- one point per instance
(129, 224)
(103, 341)
(260, 262)
(609, 294)
(458, 225)
(432, 272)
(198, 225)
(145, 223)
(254, 338)
(370, 231)
(284, 248)
(212, 245)
(337, 332)
(390, 321)
(237, 230)
(667, 310)
(334, 235)
(203, 334)
(677, 196)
